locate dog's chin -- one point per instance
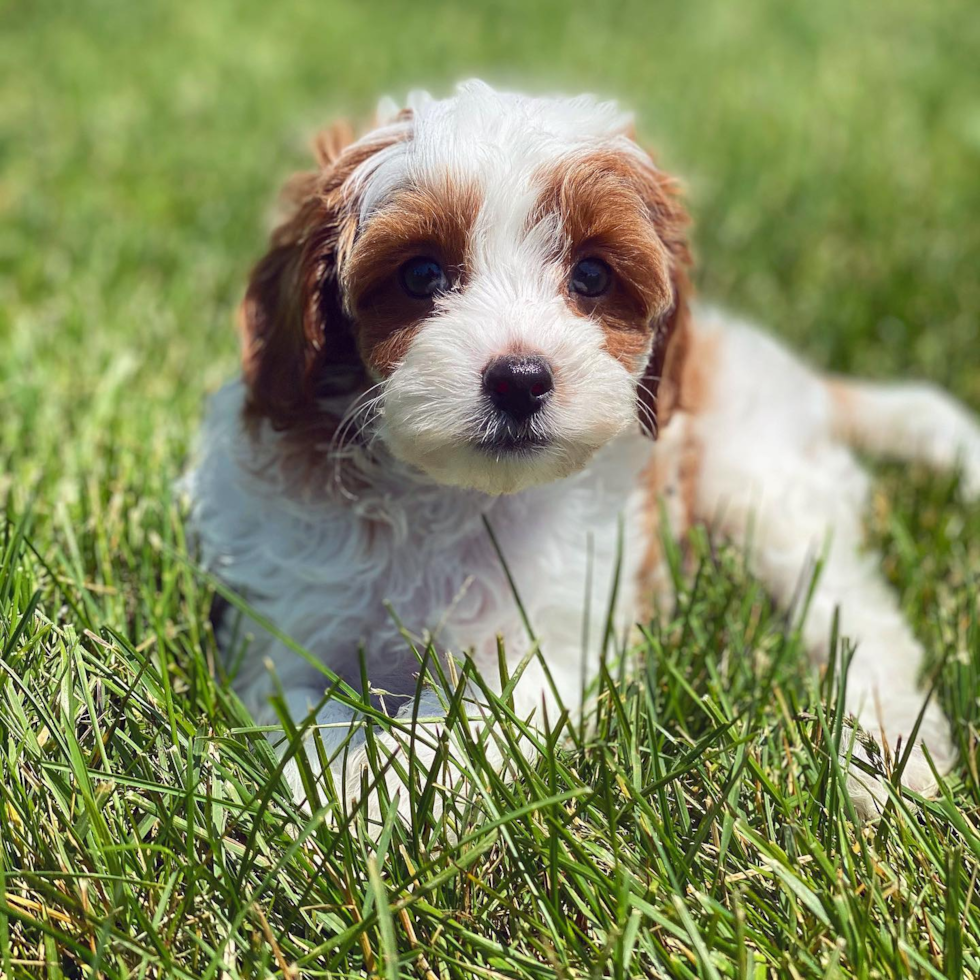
(496, 468)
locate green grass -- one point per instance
(696, 827)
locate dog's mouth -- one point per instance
(505, 438)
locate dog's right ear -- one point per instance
(298, 345)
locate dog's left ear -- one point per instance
(660, 390)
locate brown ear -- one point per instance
(660, 390)
(297, 341)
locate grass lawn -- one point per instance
(696, 828)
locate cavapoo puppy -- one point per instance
(475, 318)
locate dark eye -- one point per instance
(422, 277)
(591, 277)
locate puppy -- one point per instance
(477, 318)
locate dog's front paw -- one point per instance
(875, 758)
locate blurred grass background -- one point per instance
(832, 155)
(831, 150)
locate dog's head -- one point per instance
(503, 277)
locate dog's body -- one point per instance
(343, 544)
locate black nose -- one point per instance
(518, 386)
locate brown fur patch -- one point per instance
(843, 407)
(297, 341)
(434, 222)
(617, 208)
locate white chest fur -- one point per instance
(340, 575)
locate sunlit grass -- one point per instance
(693, 825)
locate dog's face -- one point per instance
(502, 277)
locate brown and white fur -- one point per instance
(354, 466)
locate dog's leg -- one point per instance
(908, 422)
(335, 734)
(777, 479)
(810, 509)
(415, 749)
(883, 692)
